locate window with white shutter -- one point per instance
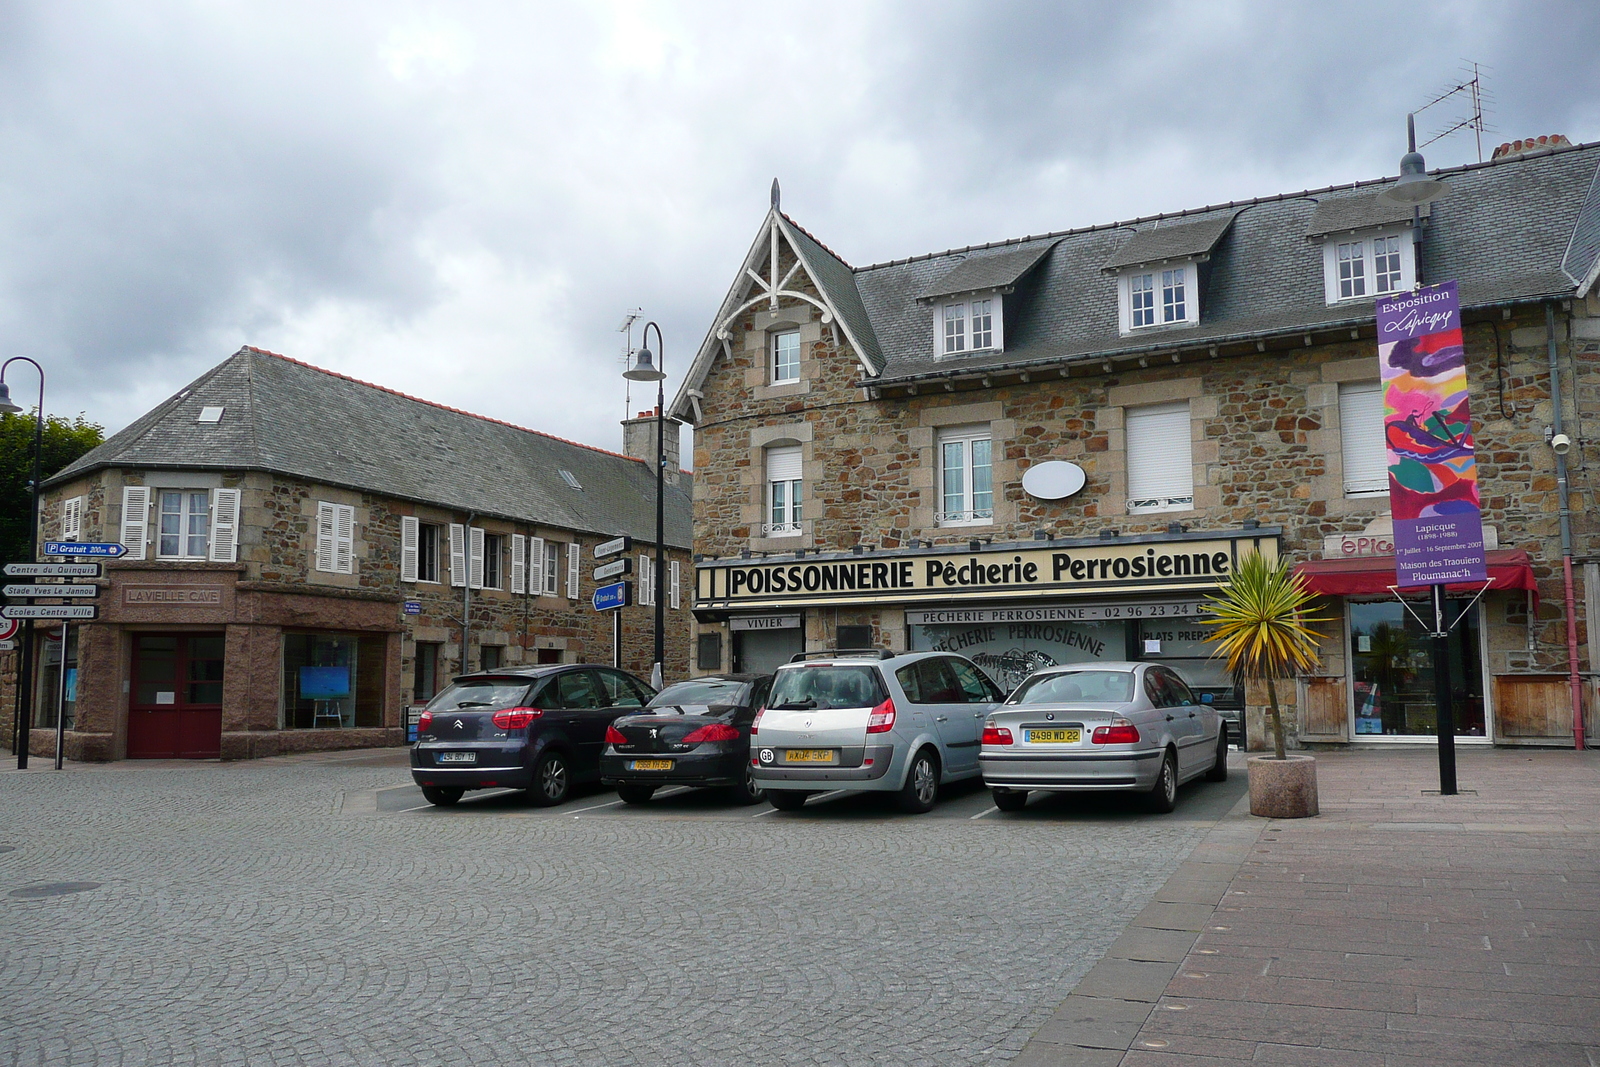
(1362, 440)
(410, 536)
(72, 518)
(458, 555)
(672, 587)
(475, 557)
(647, 584)
(336, 538)
(224, 525)
(1160, 463)
(325, 534)
(574, 560)
(135, 520)
(540, 580)
(519, 563)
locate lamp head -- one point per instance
(6, 404)
(644, 368)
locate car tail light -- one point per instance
(996, 735)
(515, 718)
(1120, 732)
(755, 723)
(614, 736)
(424, 722)
(881, 721)
(717, 731)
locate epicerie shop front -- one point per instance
(1011, 608)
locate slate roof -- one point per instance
(287, 417)
(1521, 229)
(1157, 243)
(836, 279)
(992, 270)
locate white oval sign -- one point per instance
(1055, 479)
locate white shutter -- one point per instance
(410, 537)
(224, 525)
(475, 557)
(519, 563)
(344, 549)
(72, 519)
(647, 585)
(783, 464)
(1361, 438)
(458, 555)
(1160, 463)
(673, 586)
(536, 583)
(135, 519)
(574, 555)
(326, 524)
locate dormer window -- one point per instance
(1159, 296)
(976, 324)
(1357, 266)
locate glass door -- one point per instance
(1392, 671)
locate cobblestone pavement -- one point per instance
(299, 910)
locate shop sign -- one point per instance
(1054, 613)
(183, 596)
(765, 622)
(1197, 564)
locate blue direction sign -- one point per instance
(83, 548)
(613, 596)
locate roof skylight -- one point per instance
(571, 479)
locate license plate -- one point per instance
(1054, 737)
(809, 755)
(458, 757)
(652, 765)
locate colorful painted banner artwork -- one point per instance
(1433, 474)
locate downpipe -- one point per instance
(1574, 682)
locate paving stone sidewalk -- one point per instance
(1400, 928)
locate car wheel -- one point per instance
(632, 793)
(1219, 769)
(552, 779)
(922, 783)
(787, 799)
(749, 791)
(444, 798)
(1164, 794)
(1010, 799)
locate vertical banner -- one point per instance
(1427, 424)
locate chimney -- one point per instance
(1528, 145)
(639, 441)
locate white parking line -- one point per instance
(825, 796)
(480, 796)
(592, 807)
(758, 814)
(982, 813)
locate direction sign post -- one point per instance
(615, 569)
(614, 598)
(52, 570)
(73, 591)
(80, 612)
(84, 548)
(612, 547)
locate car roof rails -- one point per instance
(843, 653)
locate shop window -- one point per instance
(966, 480)
(494, 546)
(785, 357)
(1160, 464)
(708, 652)
(333, 681)
(785, 492)
(56, 689)
(425, 672)
(854, 637)
(1361, 439)
(1392, 670)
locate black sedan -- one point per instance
(534, 728)
(693, 733)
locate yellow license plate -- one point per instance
(652, 765)
(1054, 737)
(810, 755)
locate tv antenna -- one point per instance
(1471, 90)
(628, 319)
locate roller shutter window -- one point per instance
(410, 538)
(1160, 459)
(224, 525)
(135, 520)
(458, 555)
(519, 563)
(1361, 439)
(785, 491)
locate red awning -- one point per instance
(1509, 568)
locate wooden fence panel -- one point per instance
(1532, 705)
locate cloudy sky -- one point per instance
(461, 200)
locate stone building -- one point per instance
(1051, 448)
(310, 555)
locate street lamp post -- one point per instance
(24, 709)
(645, 369)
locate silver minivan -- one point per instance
(891, 722)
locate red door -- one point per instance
(175, 701)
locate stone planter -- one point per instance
(1283, 789)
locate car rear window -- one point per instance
(1098, 686)
(826, 686)
(703, 692)
(487, 694)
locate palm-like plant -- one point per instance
(1261, 628)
